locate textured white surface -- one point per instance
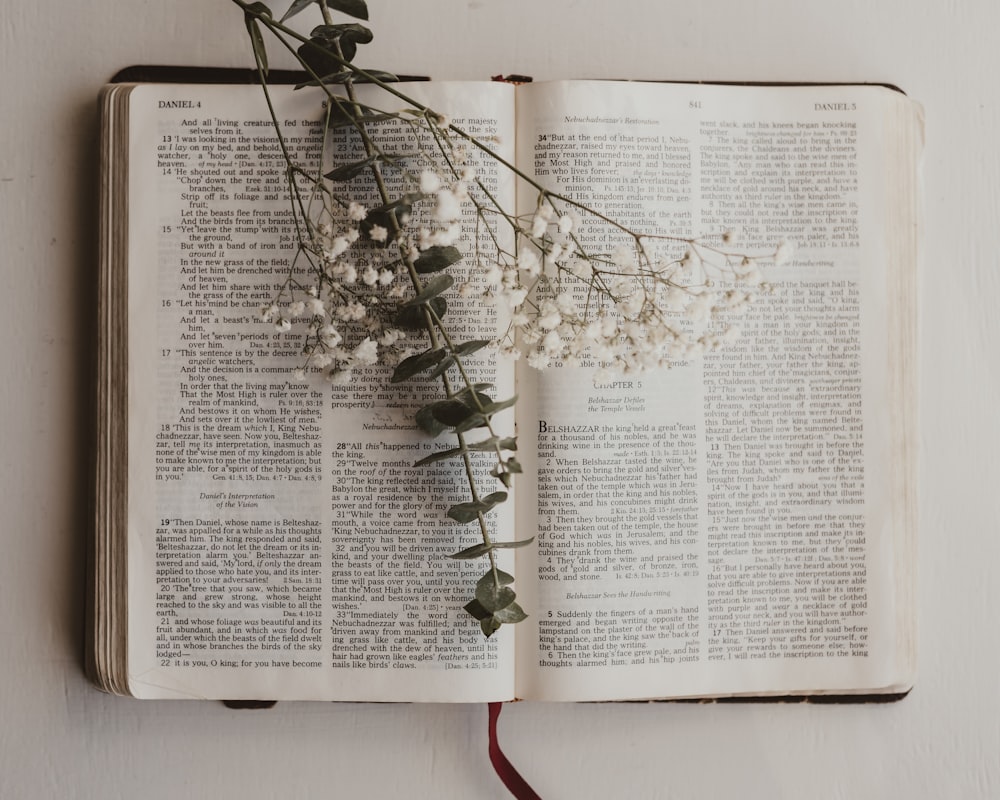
(60, 738)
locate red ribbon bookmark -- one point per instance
(511, 778)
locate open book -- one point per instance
(743, 524)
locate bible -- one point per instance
(742, 524)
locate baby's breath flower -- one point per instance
(624, 259)
(527, 260)
(366, 353)
(565, 303)
(675, 299)
(700, 307)
(632, 304)
(347, 273)
(316, 306)
(296, 309)
(581, 268)
(493, 275)
(539, 224)
(448, 208)
(783, 253)
(430, 181)
(339, 377)
(330, 335)
(511, 352)
(389, 337)
(351, 312)
(356, 212)
(538, 359)
(377, 233)
(549, 316)
(337, 247)
(515, 296)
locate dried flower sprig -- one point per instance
(370, 276)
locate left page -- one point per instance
(280, 544)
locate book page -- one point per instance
(281, 545)
(725, 526)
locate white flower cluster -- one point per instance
(636, 308)
(348, 306)
(626, 312)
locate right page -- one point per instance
(742, 523)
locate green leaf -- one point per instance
(500, 405)
(353, 8)
(475, 551)
(505, 470)
(412, 318)
(386, 216)
(501, 475)
(295, 8)
(490, 625)
(253, 28)
(441, 368)
(347, 171)
(432, 289)
(510, 614)
(468, 348)
(468, 512)
(435, 259)
(503, 578)
(450, 412)
(476, 420)
(477, 388)
(416, 364)
(426, 422)
(346, 32)
(514, 545)
(319, 55)
(475, 608)
(494, 598)
(485, 444)
(493, 594)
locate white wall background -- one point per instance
(60, 738)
